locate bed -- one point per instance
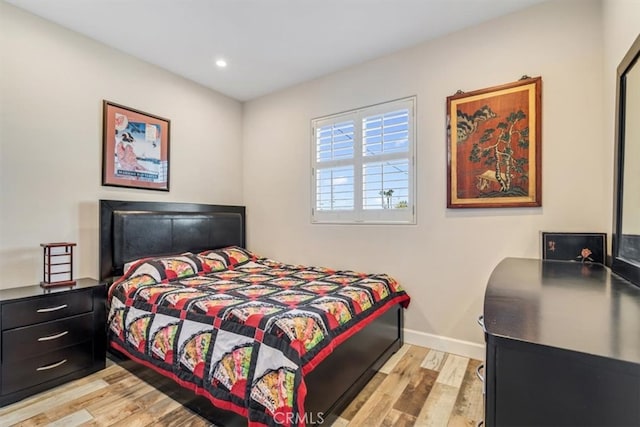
(288, 353)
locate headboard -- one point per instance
(130, 230)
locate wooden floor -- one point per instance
(417, 387)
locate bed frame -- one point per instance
(130, 230)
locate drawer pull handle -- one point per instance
(53, 337)
(47, 310)
(53, 365)
(481, 322)
(480, 424)
(478, 369)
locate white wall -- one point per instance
(444, 261)
(52, 83)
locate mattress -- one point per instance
(240, 329)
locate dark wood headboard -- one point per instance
(130, 230)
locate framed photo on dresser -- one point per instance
(581, 247)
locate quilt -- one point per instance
(240, 329)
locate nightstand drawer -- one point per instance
(36, 370)
(45, 308)
(34, 340)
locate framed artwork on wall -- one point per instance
(581, 247)
(135, 148)
(494, 146)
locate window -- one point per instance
(363, 165)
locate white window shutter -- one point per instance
(363, 163)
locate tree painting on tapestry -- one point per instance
(494, 147)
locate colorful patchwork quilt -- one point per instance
(239, 329)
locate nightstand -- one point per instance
(50, 336)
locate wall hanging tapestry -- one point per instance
(493, 142)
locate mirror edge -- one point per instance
(620, 266)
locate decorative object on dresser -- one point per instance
(563, 345)
(50, 336)
(581, 247)
(57, 268)
(494, 149)
(135, 148)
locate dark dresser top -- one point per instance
(35, 290)
(564, 304)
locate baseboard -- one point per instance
(449, 345)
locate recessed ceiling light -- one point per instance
(221, 63)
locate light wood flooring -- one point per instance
(417, 387)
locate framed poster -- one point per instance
(135, 148)
(494, 149)
(581, 247)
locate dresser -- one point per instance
(562, 345)
(50, 336)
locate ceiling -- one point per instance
(268, 44)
